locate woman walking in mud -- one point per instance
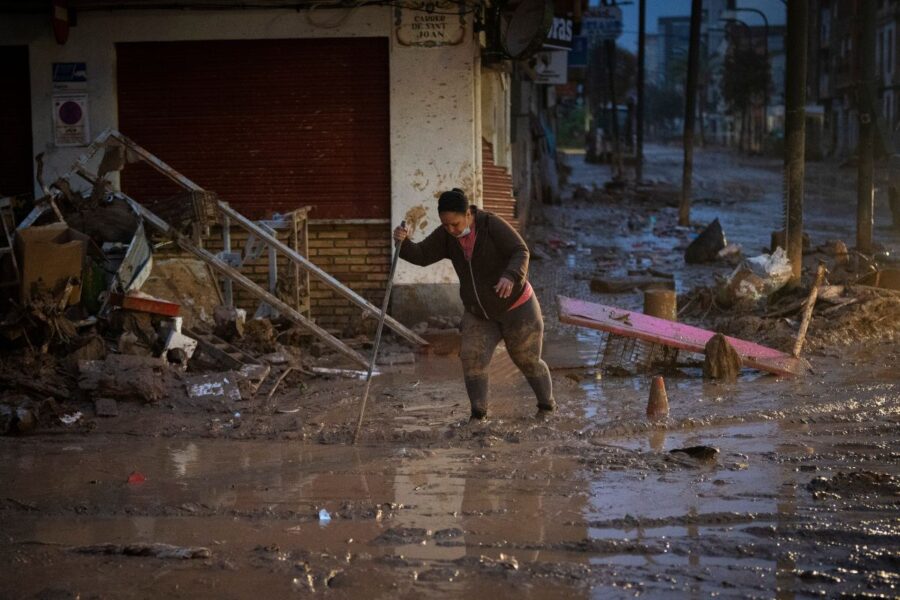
(491, 261)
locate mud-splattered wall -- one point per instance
(436, 147)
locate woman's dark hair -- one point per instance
(453, 201)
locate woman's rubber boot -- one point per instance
(477, 388)
(543, 389)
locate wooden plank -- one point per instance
(631, 324)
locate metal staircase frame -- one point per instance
(228, 216)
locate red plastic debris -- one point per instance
(136, 477)
(145, 303)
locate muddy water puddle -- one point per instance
(784, 508)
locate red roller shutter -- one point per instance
(269, 125)
(15, 122)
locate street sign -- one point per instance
(602, 23)
(550, 67)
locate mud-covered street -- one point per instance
(796, 493)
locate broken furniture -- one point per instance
(296, 223)
(636, 326)
(199, 213)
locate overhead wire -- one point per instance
(468, 7)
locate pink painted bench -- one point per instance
(631, 324)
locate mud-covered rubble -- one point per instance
(123, 357)
(846, 312)
(103, 294)
(849, 315)
(93, 355)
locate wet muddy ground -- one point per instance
(802, 498)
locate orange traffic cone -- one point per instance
(658, 405)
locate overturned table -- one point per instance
(637, 325)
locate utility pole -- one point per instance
(639, 158)
(865, 192)
(609, 48)
(690, 110)
(795, 131)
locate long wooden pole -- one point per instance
(795, 132)
(639, 158)
(690, 109)
(807, 312)
(384, 307)
(865, 188)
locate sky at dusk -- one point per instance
(774, 10)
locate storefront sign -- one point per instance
(550, 67)
(602, 23)
(560, 35)
(430, 24)
(70, 120)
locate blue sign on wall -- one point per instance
(602, 23)
(578, 55)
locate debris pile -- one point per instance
(90, 318)
(706, 246)
(757, 302)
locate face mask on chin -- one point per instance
(465, 232)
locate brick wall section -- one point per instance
(357, 255)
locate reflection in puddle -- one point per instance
(182, 458)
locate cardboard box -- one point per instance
(50, 254)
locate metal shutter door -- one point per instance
(270, 125)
